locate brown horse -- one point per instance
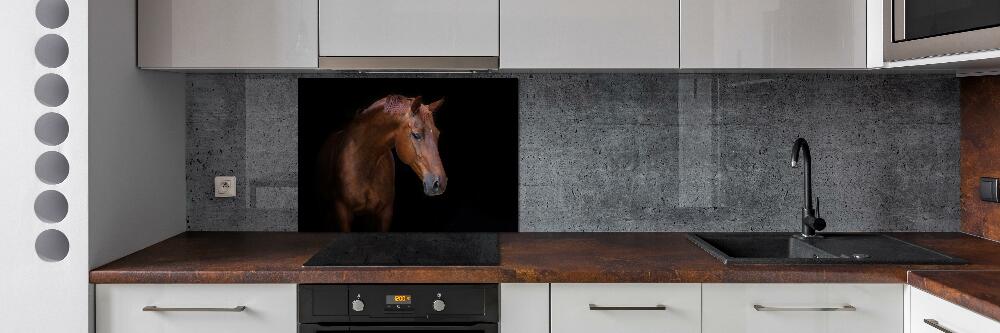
(356, 165)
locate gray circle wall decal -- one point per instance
(51, 129)
(51, 90)
(52, 245)
(51, 206)
(51, 51)
(52, 13)
(52, 167)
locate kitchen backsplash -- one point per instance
(979, 142)
(637, 152)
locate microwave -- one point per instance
(915, 29)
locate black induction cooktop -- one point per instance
(409, 249)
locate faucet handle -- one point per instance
(817, 206)
(818, 224)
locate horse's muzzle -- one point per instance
(434, 185)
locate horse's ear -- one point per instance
(437, 104)
(416, 103)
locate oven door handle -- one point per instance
(485, 328)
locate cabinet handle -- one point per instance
(159, 309)
(657, 307)
(759, 307)
(935, 324)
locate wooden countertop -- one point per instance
(974, 290)
(269, 257)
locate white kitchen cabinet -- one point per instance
(269, 308)
(407, 28)
(927, 310)
(775, 34)
(802, 308)
(524, 308)
(227, 33)
(625, 307)
(589, 34)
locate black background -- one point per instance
(478, 147)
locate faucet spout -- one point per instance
(810, 222)
(807, 188)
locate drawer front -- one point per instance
(656, 308)
(946, 315)
(800, 308)
(269, 308)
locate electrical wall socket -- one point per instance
(225, 187)
(988, 189)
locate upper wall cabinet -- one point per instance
(589, 34)
(775, 34)
(409, 34)
(227, 33)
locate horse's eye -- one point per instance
(417, 136)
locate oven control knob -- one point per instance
(438, 305)
(358, 305)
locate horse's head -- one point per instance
(417, 145)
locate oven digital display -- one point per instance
(398, 299)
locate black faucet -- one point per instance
(810, 221)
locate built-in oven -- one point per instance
(928, 28)
(384, 308)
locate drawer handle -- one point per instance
(935, 324)
(658, 307)
(759, 307)
(154, 308)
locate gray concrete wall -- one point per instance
(638, 152)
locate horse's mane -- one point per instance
(390, 103)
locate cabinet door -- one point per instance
(189, 308)
(589, 34)
(773, 34)
(930, 314)
(408, 28)
(625, 307)
(227, 33)
(524, 308)
(802, 308)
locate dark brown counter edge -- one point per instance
(974, 290)
(266, 257)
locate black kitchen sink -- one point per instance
(832, 248)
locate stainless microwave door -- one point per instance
(926, 28)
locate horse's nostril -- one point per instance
(437, 184)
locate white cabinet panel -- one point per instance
(270, 308)
(729, 308)
(524, 308)
(408, 28)
(947, 315)
(589, 34)
(43, 285)
(572, 311)
(773, 34)
(228, 33)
